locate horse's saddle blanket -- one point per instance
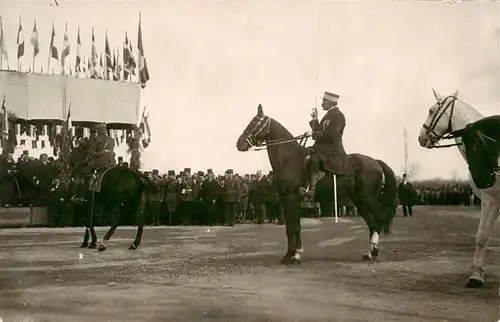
(481, 140)
(96, 179)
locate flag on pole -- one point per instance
(66, 47)
(3, 49)
(68, 119)
(109, 59)
(54, 53)
(34, 40)
(145, 129)
(78, 67)
(5, 118)
(93, 58)
(20, 41)
(143, 66)
(126, 58)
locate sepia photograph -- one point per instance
(219, 160)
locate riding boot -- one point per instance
(312, 184)
(79, 196)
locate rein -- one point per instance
(303, 140)
(264, 124)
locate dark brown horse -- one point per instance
(121, 193)
(372, 188)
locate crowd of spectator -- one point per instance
(187, 197)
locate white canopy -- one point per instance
(38, 97)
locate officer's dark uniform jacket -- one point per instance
(102, 151)
(328, 144)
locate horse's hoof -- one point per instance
(375, 252)
(132, 247)
(92, 246)
(286, 260)
(101, 248)
(474, 283)
(366, 258)
(84, 245)
(296, 261)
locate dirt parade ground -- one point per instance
(234, 273)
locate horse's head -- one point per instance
(256, 132)
(439, 120)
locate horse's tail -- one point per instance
(387, 200)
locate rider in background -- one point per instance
(328, 152)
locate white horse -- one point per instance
(450, 114)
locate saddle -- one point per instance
(348, 165)
(482, 148)
(96, 178)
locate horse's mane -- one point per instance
(283, 134)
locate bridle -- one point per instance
(430, 130)
(263, 128)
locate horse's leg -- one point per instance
(114, 224)
(297, 231)
(140, 228)
(489, 216)
(365, 213)
(93, 242)
(86, 237)
(288, 216)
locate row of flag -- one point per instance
(117, 65)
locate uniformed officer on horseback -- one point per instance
(102, 149)
(327, 153)
(101, 154)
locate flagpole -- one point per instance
(406, 149)
(50, 49)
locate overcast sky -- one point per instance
(211, 64)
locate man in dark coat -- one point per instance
(406, 195)
(209, 192)
(328, 150)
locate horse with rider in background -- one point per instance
(103, 188)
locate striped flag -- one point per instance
(109, 59)
(78, 67)
(143, 66)
(53, 49)
(5, 119)
(3, 49)
(34, 40)
(66, 47)
(93, 58)
(20, 41)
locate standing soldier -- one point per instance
(187, 197)
(172, 190)
(245, 191)
(261, 189)
(8, 181)
(157, 197)
(231, 197)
